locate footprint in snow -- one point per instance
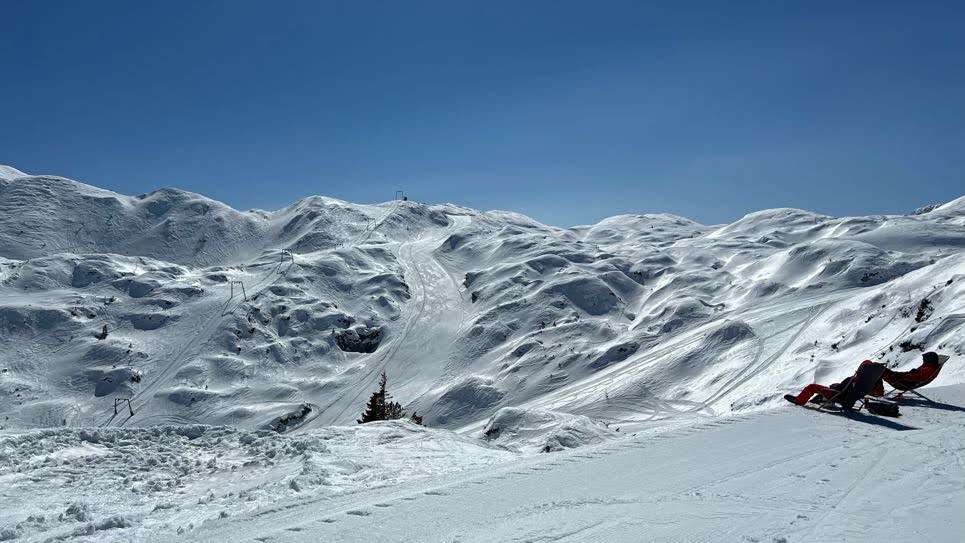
(435, 493)
(383, 505)
(358, 513)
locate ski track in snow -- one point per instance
(795, 474)
(423, 335)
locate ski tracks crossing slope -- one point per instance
(205, 318)
(434, 316)
(786, 475)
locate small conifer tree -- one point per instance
(375, 409)
(393, 411)
(380, 408)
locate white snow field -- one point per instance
(782, 475)
(645, 355)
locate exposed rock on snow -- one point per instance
(925, 209)
(359, 340)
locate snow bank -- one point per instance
(154, 483)
(540, 431)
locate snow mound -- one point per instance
(542, 431)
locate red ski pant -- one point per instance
(813, 389)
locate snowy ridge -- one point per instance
(7, 172)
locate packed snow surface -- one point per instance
(789, 475)
(246, 342)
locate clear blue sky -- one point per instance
(566, 111)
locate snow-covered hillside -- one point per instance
(529, 337)
(217, 316)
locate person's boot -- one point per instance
(791, 398)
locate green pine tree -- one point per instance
(380, 408)
(375, 409)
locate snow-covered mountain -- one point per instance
(243, 339)
(218, 316)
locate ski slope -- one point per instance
(251, 340)
(432, 319)
(792, 474)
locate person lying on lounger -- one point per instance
(908, 381)
(867, 372)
